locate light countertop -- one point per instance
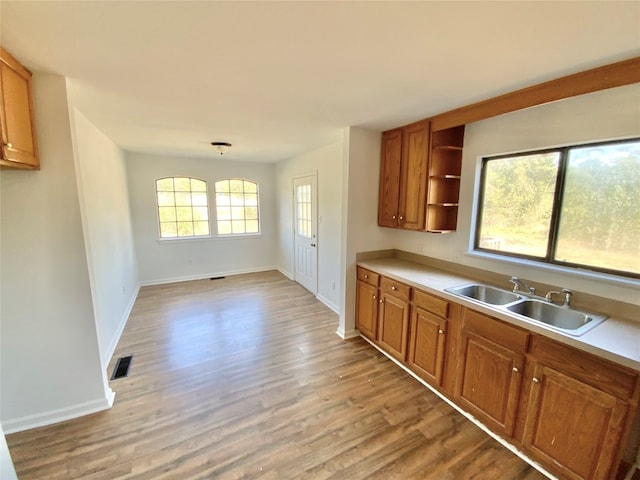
(614, 339)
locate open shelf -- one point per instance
(442, 218)
(445, 168)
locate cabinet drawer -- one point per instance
(585, 367)
(499, 332)
(395, 288)
(368, 276)
(431, 303)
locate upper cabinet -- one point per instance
(420, 178)
(389, 192)
(403, 173)
(19, 147)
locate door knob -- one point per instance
(313, 244)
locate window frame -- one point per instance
(556, 210)
(215, 210)
(159, 222)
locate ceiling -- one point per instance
(277, 79)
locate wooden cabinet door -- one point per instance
(413, 177)
(390, 161)
(572, 427)
(19, 148)
(393, 325)
(367, 309)
(489, 384)
(427, 345)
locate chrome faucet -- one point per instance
(521, 286)
(567, 296)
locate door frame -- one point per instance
(314, 213)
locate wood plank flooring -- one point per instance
(245, 378)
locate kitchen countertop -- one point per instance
(614, 339)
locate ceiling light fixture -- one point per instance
(221, 147)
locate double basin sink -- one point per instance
(562, 318)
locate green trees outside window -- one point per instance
(577, 206)
(183, 208)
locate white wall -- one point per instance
(161, 261)
(359, 214)
(106, 220)
(326, 162)
(608, 114)
(50, 366)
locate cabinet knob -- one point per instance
(515, 369)
(366, 276)
(441, 332)
(382, 300)
(393, 287)
(374, 297)
(401, 217)
(8, 145)
(393, 216)
(535, 380)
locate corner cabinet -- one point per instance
(420, 178)
(19, 147)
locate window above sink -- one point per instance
(571, 206)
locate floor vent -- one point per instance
(217, 278)
(122, 367)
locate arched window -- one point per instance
(183, 208)
(237, 208)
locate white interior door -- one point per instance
(305, 228)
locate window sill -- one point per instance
(208, 238)
(575, 272)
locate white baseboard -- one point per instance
(328, 303)
(116, 336)
(188, 278)
(285, 273)
(468, 416)
(59, 415)
(347, 334)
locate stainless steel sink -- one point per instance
(562, 318)
(485, 294)
(531, 307)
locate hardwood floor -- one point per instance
(245, 378)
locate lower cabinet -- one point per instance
(578, 412)
(573, 412)
(367, 309)
(429, 328)
(393, 318)
(367, 303)
(490, 374)
(572, 426)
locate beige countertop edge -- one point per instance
(615, 339)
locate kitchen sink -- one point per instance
(485, 294)
(563, 318)
(531, 308)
